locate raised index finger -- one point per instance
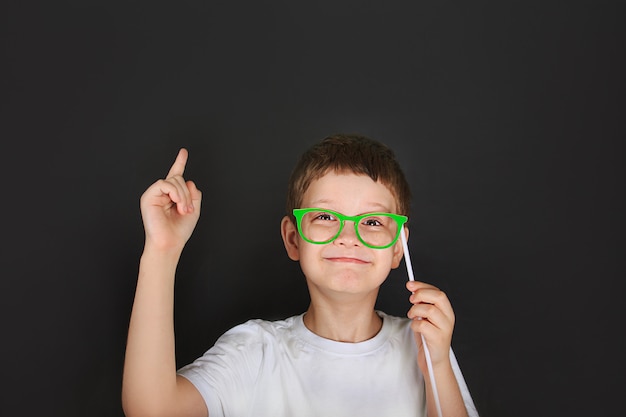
(178, 168)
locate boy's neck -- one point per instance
(343, 323)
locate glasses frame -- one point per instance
(398, 218)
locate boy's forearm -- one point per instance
(450, 398)
(150, 362)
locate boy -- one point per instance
(346, 202)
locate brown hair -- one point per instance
(349, 153)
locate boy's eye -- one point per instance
(325, 216)
(372, 222)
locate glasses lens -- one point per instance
(378, 230)
(319, 226)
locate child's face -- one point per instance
(345, 265)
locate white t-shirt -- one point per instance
(280, 368)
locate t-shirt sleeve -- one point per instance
(467, 398)
(225, 374)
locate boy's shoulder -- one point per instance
(260, 329)
(396, 324)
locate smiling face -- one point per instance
(344, 266)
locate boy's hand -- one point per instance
(170, 208)
(436, 323)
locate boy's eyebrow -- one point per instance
(374, 205)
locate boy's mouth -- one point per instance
(346, 259)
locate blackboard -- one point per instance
(507, 117)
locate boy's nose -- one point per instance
(348, 235)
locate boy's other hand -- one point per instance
(170, 208)
(433, 317)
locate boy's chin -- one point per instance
(346, 282)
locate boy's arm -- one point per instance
(450, 398)
(433, 317)
(170, 210)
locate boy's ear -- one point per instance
(289, 232)
(398, 251)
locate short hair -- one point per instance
(349, 153)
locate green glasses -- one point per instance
(374, 230)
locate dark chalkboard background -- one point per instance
(508, 118)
